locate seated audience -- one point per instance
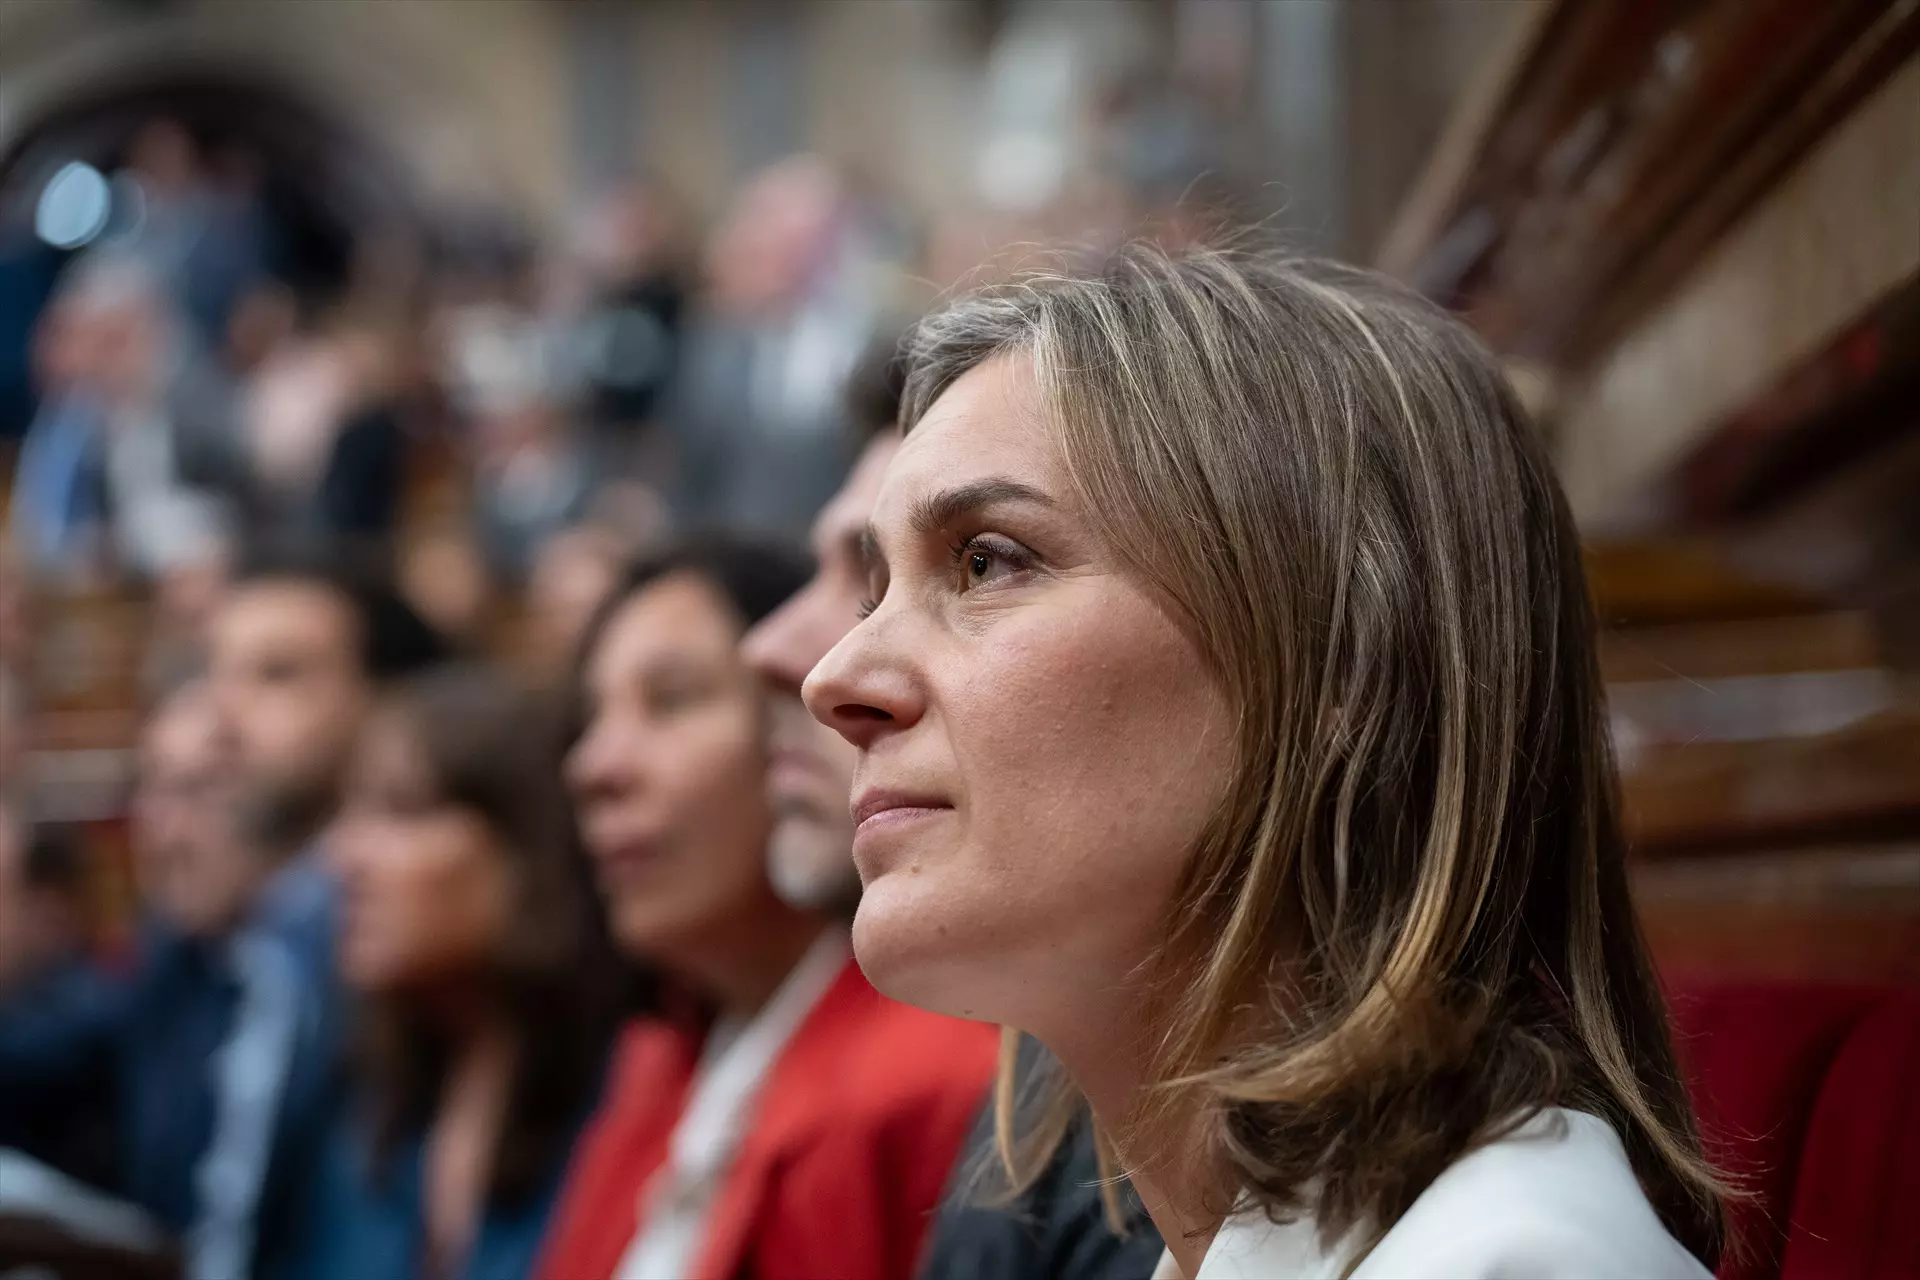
(470, 933)
(220, 1056)
(773, 1116)
(148, 1054)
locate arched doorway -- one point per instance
(313, 186)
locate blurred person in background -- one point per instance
(194, 874)
(1059, 1228)
(101, 481)
(810, 773)
(323, 445)
(629, 328)
(300, 648)
(47, 976)
(158, 1053)
(232, 254)
(58, 510)
(472, 939)
(171, 214)
(534, 470)
(573, 574)
(196, 221)
(442, 575)
(790, 304)
(773, 1117)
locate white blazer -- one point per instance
(1556, 1199)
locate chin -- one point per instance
(914, 950)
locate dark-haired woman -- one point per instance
(473, 940)
(773, 1116)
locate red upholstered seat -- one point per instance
(1806, 1093)
(1856, 1204)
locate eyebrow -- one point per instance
(936, 511)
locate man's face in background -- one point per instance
(287, 681)
(191, 865)
(811, 771)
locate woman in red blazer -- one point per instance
(775, 1116)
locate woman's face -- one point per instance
(427, 889)
(1040, 745)
(669, 778)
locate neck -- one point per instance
(1110, 1062)
(745, 964)
(475, 1095)
(463, 1146)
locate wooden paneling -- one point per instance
(1861, 781)
(1649, 581)
(1629, 138)
(1846, 641)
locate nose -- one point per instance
(776, 649)
(599, 765)
(861, 690)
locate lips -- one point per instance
(619, 858)
(878, 805)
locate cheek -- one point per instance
(1090, 753)
(469, 901)
(715, 787)
(724, 778)
(1089, 750)
(436, 907)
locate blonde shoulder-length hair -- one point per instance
(1416, 882)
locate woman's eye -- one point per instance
(672, 701)
(984, 560)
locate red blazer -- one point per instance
(855, 1134)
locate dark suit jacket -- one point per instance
(1057, 1230)
(143, 1053)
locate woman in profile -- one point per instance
(1230, 721)
(471, 937)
